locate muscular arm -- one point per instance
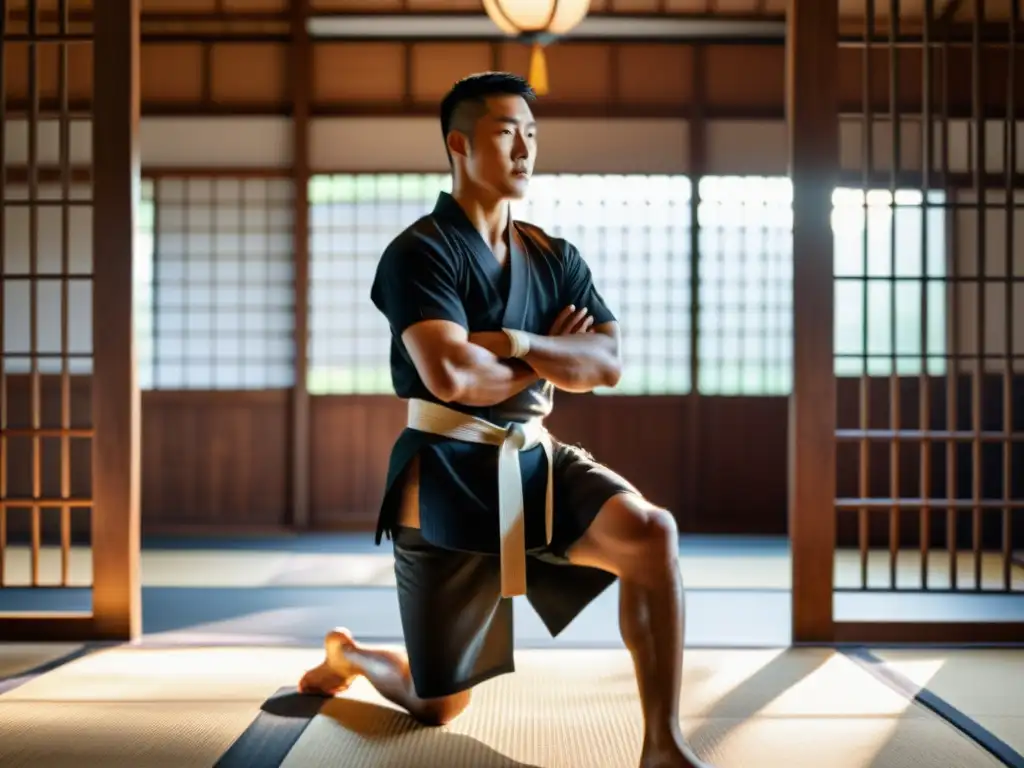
(575, 362)
(457, 370)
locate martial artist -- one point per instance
(489, 316)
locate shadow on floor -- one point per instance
(369, 722)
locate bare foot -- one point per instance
(336, 672)
(680, 755)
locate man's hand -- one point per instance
(571, 320)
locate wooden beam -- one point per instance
(812, 83)
(302, 79)
(54, 628)
(117, 592)
(697, 151)
(866, 632)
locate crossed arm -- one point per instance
(476, 369)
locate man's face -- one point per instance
(503, 149)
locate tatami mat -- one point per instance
(140, 708)
(764, 567)
(181, 707)
(580, 708)
(985, 685)
(19, 658)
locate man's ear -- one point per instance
(458, 143)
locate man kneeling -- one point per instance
(488, 317)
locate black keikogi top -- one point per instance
(440, 268)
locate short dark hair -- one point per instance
(473, 91)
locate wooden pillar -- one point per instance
(117, 597)
(813, 120)
(697, 157)
(302, 82)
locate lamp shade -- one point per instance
(536, 20)
(518, 17)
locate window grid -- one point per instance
(352, 219)
(745, 272)
(745, 282)
(220, 295)
(865, 226)
(214, 293)
(634, 232)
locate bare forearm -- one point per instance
(482, 379)
(576, 362)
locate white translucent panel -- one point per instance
(621, 224)
(746, 282)
(17, 314)
(222, 296)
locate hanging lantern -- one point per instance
(538, 22)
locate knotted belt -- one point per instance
(439, 420)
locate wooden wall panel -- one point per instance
(745, 78)
(172, 73)
(18, 8)
(639, 6)
(249, 73)
(180, 6)
(253, 6)
(351, 442)
(586, 78)
(216, 459)
(436, 66)
(358, 73)
(79, 73)
(448, 6)
(741, 467)
(742, 484)
(581, 73)
(739, 475)
(741, 81)
(362, 6)
(674, 65)
(209, 459)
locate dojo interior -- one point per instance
(806, 215)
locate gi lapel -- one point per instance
(518, 304)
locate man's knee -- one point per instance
(442, 710)
(630, 537)
(658, 535)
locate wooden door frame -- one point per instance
(115, 531)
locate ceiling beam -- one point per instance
(478, 26)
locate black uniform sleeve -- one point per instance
(415, 282)
(580, 289)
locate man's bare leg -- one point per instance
(387, 671)
(639, 543)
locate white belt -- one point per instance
(439, 420)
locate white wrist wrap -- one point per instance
(520, 342)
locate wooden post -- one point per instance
(302, 83)
(813, 118)
(117, 598)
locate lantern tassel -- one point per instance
(538, 70)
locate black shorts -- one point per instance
(457, 627)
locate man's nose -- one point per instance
(521, 149)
